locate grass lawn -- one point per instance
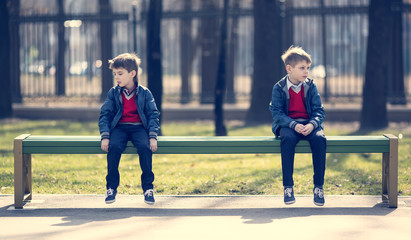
(199, 174)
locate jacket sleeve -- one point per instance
(152, 115)
(277, 108)
(317, 109)
(107, 114)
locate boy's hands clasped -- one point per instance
(304, 129)
(105, 142)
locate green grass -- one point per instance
(198, 174)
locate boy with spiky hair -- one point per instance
(298, 114)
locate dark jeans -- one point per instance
(119, 137)
(318, 142)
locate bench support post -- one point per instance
(22, 173)
(390, 173)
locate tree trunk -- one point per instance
(14, 7)
(186, 47)
(374, 107)
(154, 69)
(232, 55)
(61, 43)
(106, 33)
(287, 29)
(267, 59)
(220, 129)
(209, 52)
(396, 87)
(5, 83)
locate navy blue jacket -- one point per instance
(280, 101)
(112, 110)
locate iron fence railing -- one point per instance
(334, 32)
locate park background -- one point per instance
(211, 66)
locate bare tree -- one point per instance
(154, 69)
(185, 53)
(61, 43)
(209, 51)
(14, 11)
(396, 72)
(374, 107)
(267, 61)
(5, 96)
(220, 129)
(106, 33)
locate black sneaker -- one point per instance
(318, 196)
(289, 195)
(149, 197)
(111, 195)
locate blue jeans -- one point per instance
(318, 143)
(119, 137)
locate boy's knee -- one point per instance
(143, 148)
(289, 139)
(319, 137)
(114, 147)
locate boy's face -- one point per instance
(124, 78)
(299, 72)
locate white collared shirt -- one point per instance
(296, 88)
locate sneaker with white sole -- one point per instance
(149, 197)
(318, 196)
(289, 195)
(111, 195)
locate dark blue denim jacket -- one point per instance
(112, 110)
(280, 101)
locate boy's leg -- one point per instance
(141, 141)
(289, 139)
(118, 142)
(318, 143)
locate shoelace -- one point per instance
(149, 192)
(288, 191)
(109, 192)
(319, 192)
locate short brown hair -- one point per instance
(294, 55)
(128, 61)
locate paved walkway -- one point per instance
(204, 217)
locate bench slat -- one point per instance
(204, 144)
(205, 149)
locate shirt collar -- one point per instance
(290, 84)
(129, 93)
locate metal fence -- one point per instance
(334, 32)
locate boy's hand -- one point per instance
(299, 128)
(104, 144)
(153, 144)
(307, 129)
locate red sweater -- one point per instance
(130, 113)
(296, 107)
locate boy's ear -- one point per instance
(288, 68)
(133, 73)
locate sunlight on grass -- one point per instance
(198, 174)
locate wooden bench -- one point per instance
(26, 144)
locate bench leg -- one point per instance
(385, 159)
(392, 170)
(27, 168)
(22, 167)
